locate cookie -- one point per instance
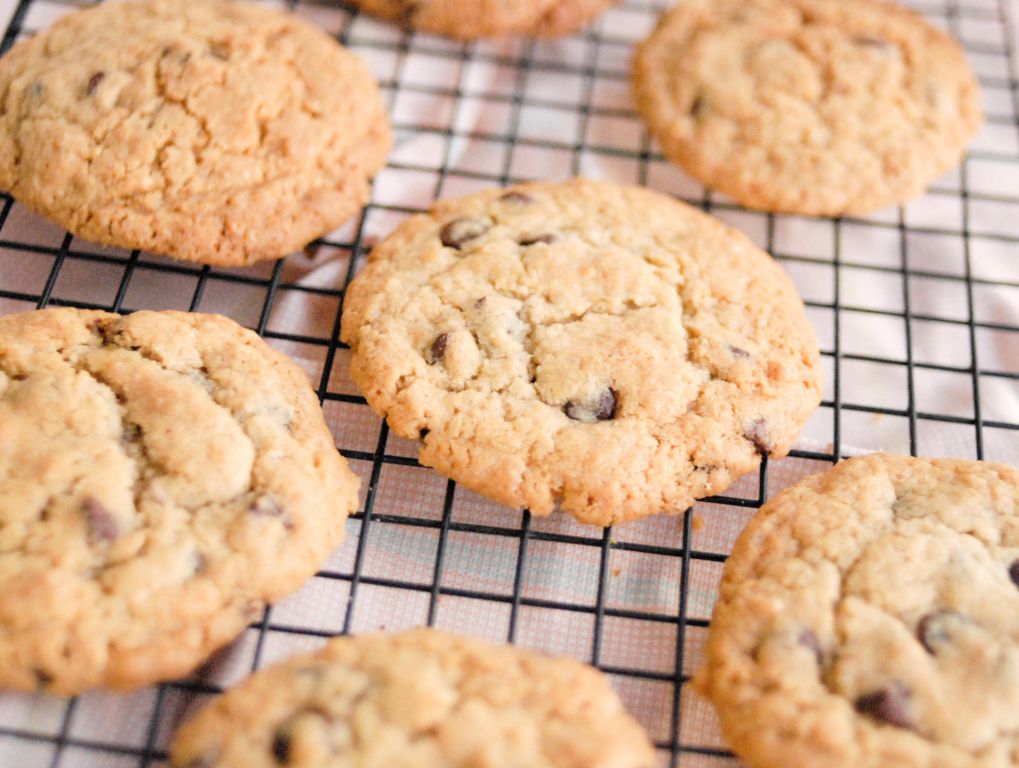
(473, 19)
(601, 348)
(807, 106)
(869, 616)
(419, 699)
(162, 477)
(207, 130)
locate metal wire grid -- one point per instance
(445, 521)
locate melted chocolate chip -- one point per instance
(889, 705)
(602, 409)
(42, 677)
(93, 82)
(809, 640)
(546, 239)
(438, 348)
(422, 434)
(460, 231)
(281, 747)
(757, 433)
(1013, 572)
(517, 198)
(934, 629)
(101, 523)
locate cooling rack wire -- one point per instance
(916, 308)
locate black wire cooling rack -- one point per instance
(921, 300)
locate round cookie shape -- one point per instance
(869, 616)
(421, 699)
(601, 348)
(162, 477)
(208, 130)
(474, 19)
(807, 106)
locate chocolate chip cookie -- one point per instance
(213, 131)
(807, 106)
(162, 477)
(472, 19)
(602, 348)
(420, 699)
(869, 616)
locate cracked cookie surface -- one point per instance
(211, 131)
(869, 616)
(419, 699)
(472, 19)
(162, 476)
(807, 106)
(602, 348)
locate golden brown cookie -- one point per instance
(807, 106)
(162, 477)
(472, 19)
(208, 130)
(869, 617)
(580, 344)
(420, 699)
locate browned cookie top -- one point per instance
(214, 131)
(601, 347)
(807, 106)
(162, 476)
(869, 616)
(470, 19)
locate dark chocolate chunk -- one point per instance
(934, 629)
(517, 198)
(547, 239)
(757, 433)
(281, 747)
(460, 231)
(101, 523)
(1013, 572)
(42, 677)
(809, 640)
(890, 705)
(93, 82)
(438, 348)
(602, 409)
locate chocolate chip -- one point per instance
(42, 677)
(809, 640)
(438, 348)
(890, 705)
(517, 198)
(547, 239)
(460, 231)
(422, 434)
(101, 523)
(93, 82)
(281, 747)
(480, 302)
(934, 630)
(1013, 572)
(738, 351)
(131, 433)
(757, 433)
(602, 409)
